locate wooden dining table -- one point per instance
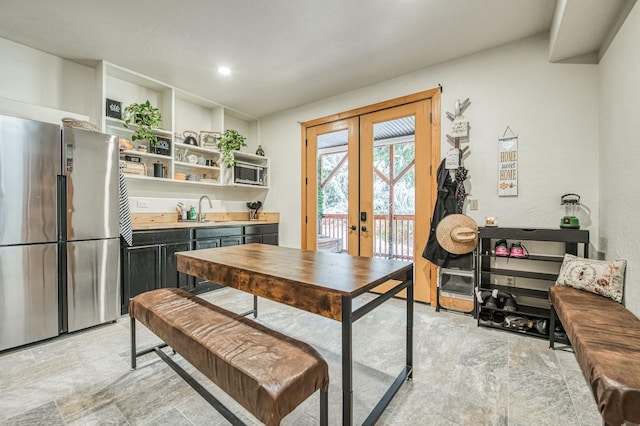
(318, 282)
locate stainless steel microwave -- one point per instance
(249, 174)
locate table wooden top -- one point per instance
(310, 280)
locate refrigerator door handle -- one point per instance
(61, 182)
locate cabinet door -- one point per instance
(270, 239)
(231, 241)
(204, 244)
(200, 284)
(141, 272)
(249, 239)
(170, 276)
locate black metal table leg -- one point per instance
(347, 362)
(410, 331)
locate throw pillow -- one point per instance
(603, 277)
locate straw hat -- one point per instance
(457, 234)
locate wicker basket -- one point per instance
(80, 124)
(133, 167)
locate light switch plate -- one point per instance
(143, 204)
(473, 204)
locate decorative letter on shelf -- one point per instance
(508, 164)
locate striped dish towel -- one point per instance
(125, 213)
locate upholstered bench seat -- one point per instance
(605, 338)
(268, 373)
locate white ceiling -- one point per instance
(286, 53)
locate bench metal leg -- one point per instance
(552, 327)
(324, 407)
(133, 343)
(255, 306)
(253, 311)
(217, 405)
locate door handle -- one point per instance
(364, 228)
(354, 227)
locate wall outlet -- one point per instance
(473, 204)
(143, 204)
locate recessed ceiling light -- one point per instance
(224, 70)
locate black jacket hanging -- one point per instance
(445, 205)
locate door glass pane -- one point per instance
(333, 191)
(394, 188)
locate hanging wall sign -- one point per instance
(508, 165)
(452, 159)
(460, 127)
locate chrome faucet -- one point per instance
(201, 215)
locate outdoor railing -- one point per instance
(393, 238)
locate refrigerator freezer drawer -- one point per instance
(28, 294)
(93, 283)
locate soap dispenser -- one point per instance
(192, 213)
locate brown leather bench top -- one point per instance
(605, 337)
(268, 373)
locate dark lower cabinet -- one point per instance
(169, 272)
(140, 272)
(210, 238)
(151, 262)
(265, 234)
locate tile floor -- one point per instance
(463, 375)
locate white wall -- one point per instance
(620, 153)
(34, 77)
(552, 107)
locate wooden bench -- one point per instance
(268, 373)
(605, 338)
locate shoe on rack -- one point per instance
(518, 250)
(482, 296)
(501, 249)
(497, 319)
(510, 304)
(492, 301)
(517, 322)
(484, 318)
(541, 326)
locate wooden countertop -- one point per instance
(149, 221)
(193, 224)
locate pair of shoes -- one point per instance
(488, 298)
(518, 322)
(497, 300)
(488, 318)
(517, 250)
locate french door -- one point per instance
(367, 188)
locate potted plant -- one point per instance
(229, 141)
(147, 118)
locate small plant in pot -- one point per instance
(230, 141)
(147, 118)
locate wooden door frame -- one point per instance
(421, 265)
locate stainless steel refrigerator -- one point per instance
(59, 242)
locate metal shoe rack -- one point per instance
(526, 279)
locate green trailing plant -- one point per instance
(230, 141)
(147, 118)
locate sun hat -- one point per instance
(457, 234)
